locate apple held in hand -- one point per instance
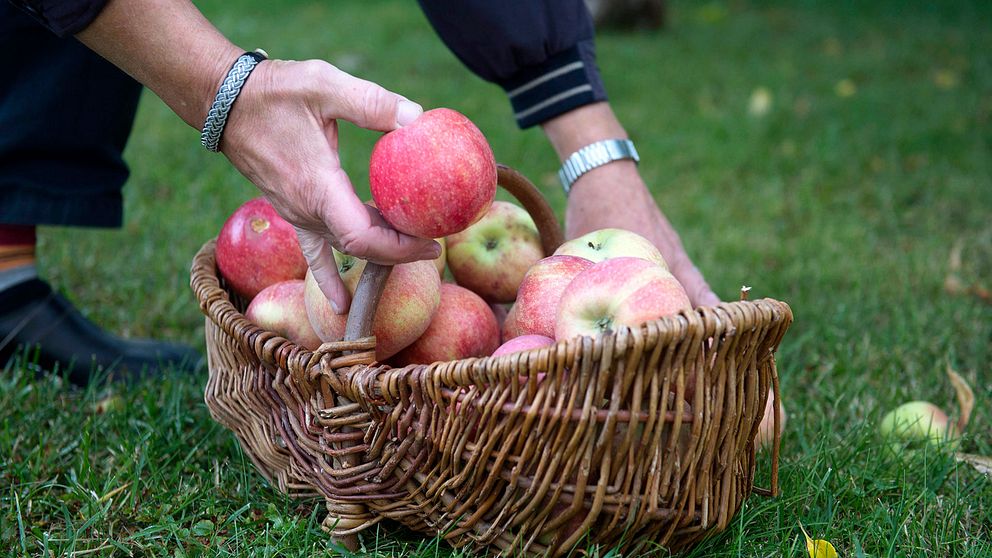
(492, 256)
(256, 248)
(280, 308)
(434, 177)
(541, 290)
(618, 292)
(409, 300)
(603, 244)
(463, 326)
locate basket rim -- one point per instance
(216, 304)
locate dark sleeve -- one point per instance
(541, 52)
(62, 17)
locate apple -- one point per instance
(256, 248)
(491, 256)
(441, 260)
(618, 292)
(541, 290)
(509, 329)
(603, 244)
(280, 307)
(918, 424)
(766, 429)
(463, 326)
(523, 343)
(409, 299)
(433, 177)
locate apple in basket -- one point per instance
(509, 329)
(256, 248)
(603, 244)
(540, 292)
(463, 326)
(410, 298)
(766, 430)
(280, 308)
(433, 177)
(492, 255)
(618, 292)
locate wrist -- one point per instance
(575, 129)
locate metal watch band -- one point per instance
(228, 92)
(594, 155)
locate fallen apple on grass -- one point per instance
(616, 292)
(280, 308)
(257, 248)
(434, 177)
(492, 255)
(920, 424)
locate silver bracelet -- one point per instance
(228, 92)
(594, 155)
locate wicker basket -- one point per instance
(637, 438)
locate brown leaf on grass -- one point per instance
(966, 398)
(981, 463)
(954, 285)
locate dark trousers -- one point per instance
(65, 116)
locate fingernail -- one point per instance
(407, 112)
(335, 307)
(436, 250)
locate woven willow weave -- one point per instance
(641, 437)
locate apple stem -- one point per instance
(744, 291)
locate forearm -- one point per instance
(168, 46)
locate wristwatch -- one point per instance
(594, 155)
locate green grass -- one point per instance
(847, 207)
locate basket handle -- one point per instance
(373, 279)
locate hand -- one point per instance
(282, 135)
(615, 196)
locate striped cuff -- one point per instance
(565, 81)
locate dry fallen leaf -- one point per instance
(818, 548)
(966, 398)
(981, 463)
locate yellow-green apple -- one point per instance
(256, 248)
(509, 329)
(541, 290)
(491, 257)
(434, 177)
(917, 424)
(766, 429)
(603, 244)
(409, 300)
(617, 292)
(463, 326)
(280, 308)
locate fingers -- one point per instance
(320, 258)
(369, 105)
(695, 285)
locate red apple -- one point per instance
(766, 430)
(280, 308)
(618, 292)
(256, 248)
(603, 244)
(463, 326)
(409, 300)
(523, 343)
(491, 256)
(509, 329)
(434, 177)
(541, 290)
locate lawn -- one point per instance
(829, 154)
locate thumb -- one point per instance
(369, 105)
(320, 258)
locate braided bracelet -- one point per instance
(213, 127)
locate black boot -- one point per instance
(51, 332)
